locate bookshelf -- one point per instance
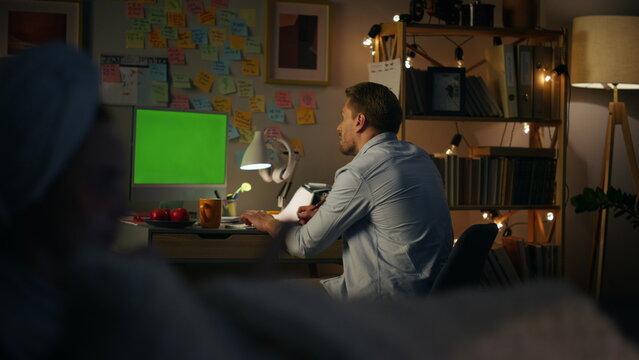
(397, 39)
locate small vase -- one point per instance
(521, 14)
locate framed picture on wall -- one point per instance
(445, 90)
(29, 23)
(298, 42)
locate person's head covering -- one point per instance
(48, 101)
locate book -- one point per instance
(525, 55)
(516, 249)
(495, 109)
(512, 151)
(506, 265)
(502, 76)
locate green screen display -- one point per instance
(179, 147)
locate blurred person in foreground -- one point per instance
(387, 204)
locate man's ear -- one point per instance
(361, 122)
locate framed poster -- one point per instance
(445, 90)
(298, 39)
(29, 23)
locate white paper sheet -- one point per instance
(387, 73)
(302, 197)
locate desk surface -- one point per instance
(203, 231)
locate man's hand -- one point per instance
(261, 221)
(305, 213)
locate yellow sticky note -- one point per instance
(222, 104)
(237, 42)
(305, 116)
(242, 119)
(173, 5)
(176, 19)
(207, 17)
(245, 88)
(226, 85)
(134, 39)
(246, 135)
(251, 66)
(297, 146)
(185, 39)
(204, 80)
(156, 39)
(217, 36)
(160, 92)
(249, 15)
(256, 103)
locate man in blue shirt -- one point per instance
(387, 204)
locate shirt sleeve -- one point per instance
(348, 202)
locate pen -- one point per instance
(217, 194)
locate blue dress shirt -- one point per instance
(389, 207)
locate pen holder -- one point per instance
(229, 208)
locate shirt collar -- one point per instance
(378, 139)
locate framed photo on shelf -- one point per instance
(445, 91)
(298, 42)
(29, 23)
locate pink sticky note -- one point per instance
(194, 6)
(176, 56)
(308, 99)
(222, 4)
(179, 101)
(135, 10)
(272, 131)
(283, 99)
(111, 73)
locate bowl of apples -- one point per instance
(175, 218)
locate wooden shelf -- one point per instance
(542, 122)
(454, 30)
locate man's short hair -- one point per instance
(377, 103)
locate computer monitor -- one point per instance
(177, 154)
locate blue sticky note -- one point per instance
(229, 54)
(200, 35)
(201, 103)
(224, 17)
(158, 72)
(221, 67)
(275, 113)
(238, 27)
(234, 134)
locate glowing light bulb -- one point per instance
(526, 128)
(550, 216)
(499, 225)
(547, 78)
(373, 52)
(455, 241)
(396, 18)
(485, 215)
(367, 42)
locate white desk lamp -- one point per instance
(604, 56)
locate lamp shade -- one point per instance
(605, 50)
(255, 155)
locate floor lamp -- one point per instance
(605, 53)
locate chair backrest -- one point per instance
(466, 261)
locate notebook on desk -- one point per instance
(306, 195)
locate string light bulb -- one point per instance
(550, 216)
(557, 71)
(408, 63)
(459, 56)
(526, 127)
(371, 35)
(402, 18)
(485, 215)
(454, 144)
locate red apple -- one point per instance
(160, 214)
(180, 214)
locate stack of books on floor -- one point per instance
(515, 261)
(498, 176)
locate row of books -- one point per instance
(497, 180)
(516, 261)
(516, 74)
(478, 100)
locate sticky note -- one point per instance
(246, 135)
(305, 116)
(194, 6)
(297, 146)
(221, 68)
(176, 19)
(283, 99)
(308, 99)
(181, 80)
(207, 17)
(256, 103)
(251, 66)
(226, 85)
(224, 17)
(156, 39)
(217, 36)
(204, 80)
(142, 25)
(253, 45)
(159, 92)
(157, 15)
(222, 104)
(232, 134)
(209, 52)
(176, 56)
(185, 39)
(111, 73)
(221, 4)
(201, 103)
(237, 42)
(158, 72)
(173, 5)
(239, 154)
(245, 88)
(134, 10)
(272, 132)
(242, 119)
(169, 33)
(238, 27)
(275, 114)
(200, 35)
(179, 101)
(230, 54)
(134, 39)
(249, 15)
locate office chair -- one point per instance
(466, 261)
